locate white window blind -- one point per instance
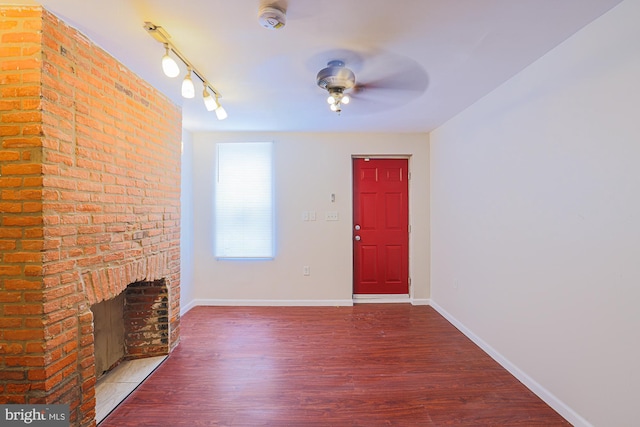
(244, 200)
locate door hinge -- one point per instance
(408, 175)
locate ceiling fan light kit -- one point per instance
(171, 69)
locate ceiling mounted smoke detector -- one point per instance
(272, 18)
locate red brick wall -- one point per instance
(89, 198)
(22, 347)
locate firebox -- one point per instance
(133, 325)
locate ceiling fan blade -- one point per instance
(388, 86)
(402, 74)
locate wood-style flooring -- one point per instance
(367, 365)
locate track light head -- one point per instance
(188, 89)
(209, 103)
(169, 65)
(221, 113)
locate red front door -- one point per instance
(380, 226)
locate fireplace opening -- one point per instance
(132, 325)
(131, 338)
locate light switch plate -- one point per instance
(331, 216)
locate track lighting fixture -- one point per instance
(212, 104)
(171, 69)
(209, 103)
(169, 65)
(188, 89)
(221, 113)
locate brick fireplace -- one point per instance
(89, 209)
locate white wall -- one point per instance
(309, 168)
(536, 222)
(187, 295)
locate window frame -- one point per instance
(270, 253)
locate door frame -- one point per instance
(379, 298)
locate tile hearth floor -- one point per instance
(116, 385)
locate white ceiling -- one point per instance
(425, 60)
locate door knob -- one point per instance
(357, 238)
(357, 227)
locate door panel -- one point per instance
(369, 272)
(368, 211)
(394, 262)
(381, 210)
(393, 216)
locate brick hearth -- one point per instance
(89, 204)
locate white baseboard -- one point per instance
(187, 307)
(383, 298)
(380, 298)
(270, 302)
(343, 303)
(559, 406)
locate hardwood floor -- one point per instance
(366, 365)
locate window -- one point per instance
(244, 201)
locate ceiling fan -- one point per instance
(336, 78)
(389, 80)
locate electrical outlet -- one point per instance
(306, 270)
